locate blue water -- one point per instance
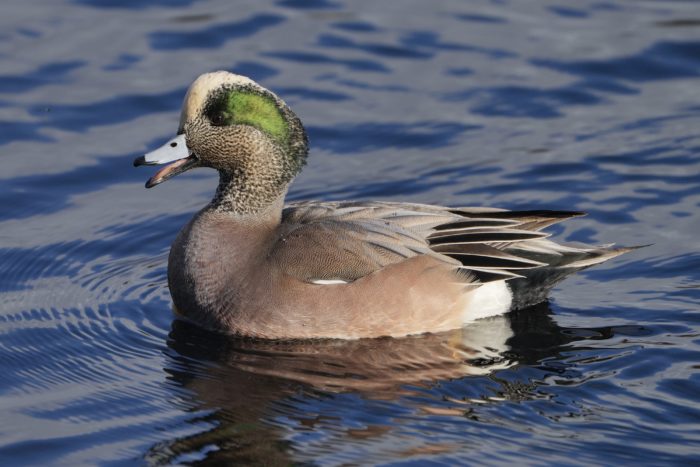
(592, 105)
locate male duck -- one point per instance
(248, 265)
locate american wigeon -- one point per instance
(247, 264)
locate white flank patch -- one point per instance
(487, 300)
(328, 281)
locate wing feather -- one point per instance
(349, 240)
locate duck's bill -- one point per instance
(175, 154)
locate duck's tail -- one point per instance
(561, 261)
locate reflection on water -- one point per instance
(529, 105)
(243, 384)
(375, 367)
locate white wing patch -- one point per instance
(328, 281)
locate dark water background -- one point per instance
(587, 105)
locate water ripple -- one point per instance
(662, 61)
(47, 74)
(371, 136)
(213, 36)
(316, 58)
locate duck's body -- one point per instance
(246, 264)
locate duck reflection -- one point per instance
(245, 383)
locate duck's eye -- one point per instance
(218, 119)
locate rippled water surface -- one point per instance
(587, 105)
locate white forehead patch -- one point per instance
(199, 90)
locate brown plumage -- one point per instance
(246, 264)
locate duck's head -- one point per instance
(232, 124)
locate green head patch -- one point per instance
(241, 106)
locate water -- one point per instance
(590, 106)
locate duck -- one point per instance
(249, 265)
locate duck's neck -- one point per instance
(240, 195)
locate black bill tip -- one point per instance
(141, 160)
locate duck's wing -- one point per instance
(347, 241)
(343, 241)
